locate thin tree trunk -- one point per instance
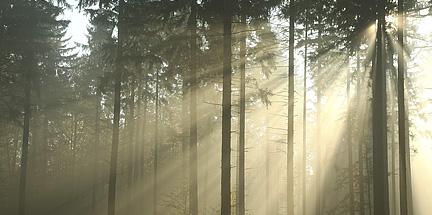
(408, 159)
(193, 169)
(95, 152)
(184, 140)
(403, 144)
(241, 197)
(143, 143)
(136, 204)
(44, 163)
(350, 147)
(207, 148)
(116, 123)
(318, 140)
(369, 175)
(290, 147)
(156, 144)
(226, 113)
(380, 169)
(26, 133)
(304, 122)
(74, 155)
(360, 139)
(130, 147)
(393, 161)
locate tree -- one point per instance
(404, 155)
(193, 114)
(380, 169)
(116, 121)
(350, 145)
(226, 111)
(26, 28)
(241, 152)
(290, 146)
(304, 179)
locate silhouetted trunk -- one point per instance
(96, 150)
(408, 159)
(226, 112)
(26, 133)
(156, 145)
(241, 152)
(404, 155)
(393, 145)
(290, 148)
(318, 137)
(369, 176)
(74, 139)
(116, 122)
(144, 194)
(184, 139)
(130, 146)
(304, 122)
(350, 146)
(360, 139)
(139, 186)
(193, 169)
(379, 126)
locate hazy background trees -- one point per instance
(215, 107)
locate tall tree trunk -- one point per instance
(95, 152)
(393, 143)
(404, 155)
(130, 146)
(241, 152)
(318, 140)
(156, 145)
(408, 159)
(184, 139)
(226, 112)
(360, 139)
(369, 175)
(290, 148)
(116, 123)
(138, 144)
(379, 126)
(26, 133)
(193, 169)
(74, 184)
(350, 146)
(304, 123)
(143, 143)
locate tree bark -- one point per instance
(96, 148)
(130, 146)
(379, 126)
(184, 139)
(318, 140)
(143, 143)
(241, 194)
(193, 169)
(156, 145)
(360, 139)
(304, 123)
(290, 148)
(404, 155)
(26, 133)
(226, 112)
(350, 146)
(116, 123)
